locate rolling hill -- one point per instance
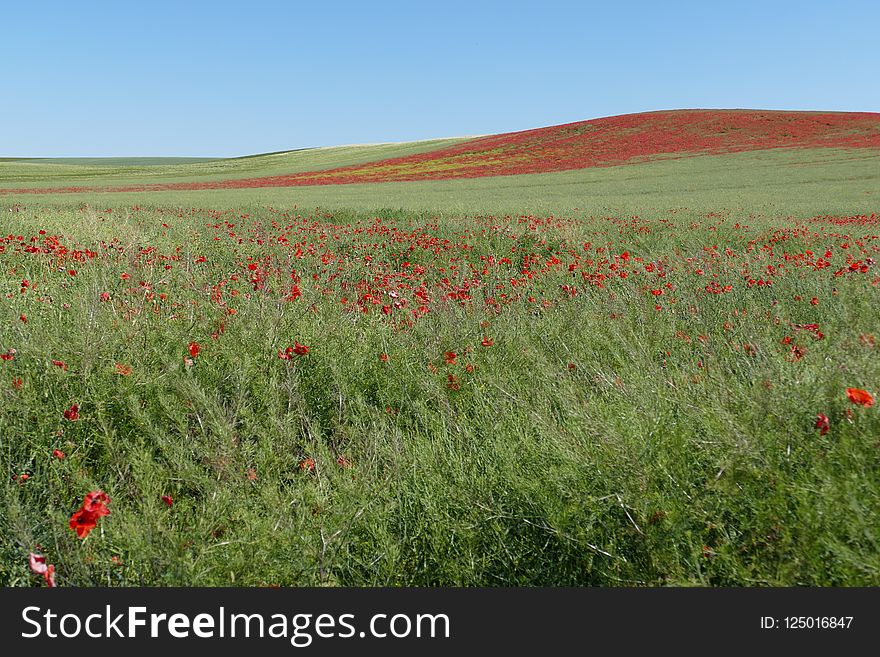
(611, 141)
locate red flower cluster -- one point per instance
(85, 519)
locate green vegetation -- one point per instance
(16, 173)
(603, 436)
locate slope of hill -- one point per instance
(596, 143)
(39, 172)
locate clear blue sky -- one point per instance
(233, 78)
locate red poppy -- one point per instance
(300, 349)
(194, 349)
(58, 454)
(860, 397)
(383, 358)
(450, 357)
(49, 576)
(822, 423)
(72, 413)
(307, 465)
(85, 519)
(37, 563)
(343, 462)
(487, 342)
(105, 297)
(122, 369)
(17, 382)
(60, 363)
(167, 499)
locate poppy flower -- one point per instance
(49, 576)
(17, 382)
(167, 499)
(487, 342)
(822, 423)
(860, 397)
(307, 465)
(60, 363)
(58, 454)
(72, 413)
(300, 349)
(449, 357)
(122, 369)
(383, 358)
(85, 519)
(37, 563)
(194, 349)
(343, 462)
(105, 297)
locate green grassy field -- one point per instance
(520, 380)
(59, 172)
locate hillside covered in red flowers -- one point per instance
(596, 143)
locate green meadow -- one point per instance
(532, 380)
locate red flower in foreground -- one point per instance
(167, 499)
(860, 397)
(822, 423)
(40, 567)
(300, 349)
(49, 576)
(72, 413)
(93, 507)
(58, 454)
(194, 349)
(37, 563)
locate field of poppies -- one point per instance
(626, 391)
(277, 397)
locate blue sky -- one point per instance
(227, 78)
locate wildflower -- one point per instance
(822, 423)
(487, 342)
(383, 358)
(72, 413)
(450, 357)
(37, 563)
(194, 349)
(300, 349)
(58, 454)
(167, 499)
(307, 465)
(343, 462)
(251, 474)
(49, 576)
(860, 397)
(85, 519)
(105, 297)
(60, 363)
(122, 369)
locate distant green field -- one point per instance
(776, 183)
(110, 162)
(121, 171)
